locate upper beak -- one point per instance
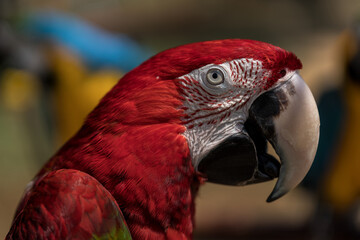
(288, 118)
(293, 130)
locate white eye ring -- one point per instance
(215, 76)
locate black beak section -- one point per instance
(223, 164)
(285, 116)
(267, 164)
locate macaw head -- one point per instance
(230, 98)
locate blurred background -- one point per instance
(58, 58)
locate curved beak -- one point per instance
(285, 116)
(292, 127)
(297, 136)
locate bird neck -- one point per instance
(133, 144)
(146, 168)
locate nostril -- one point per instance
(282, 73)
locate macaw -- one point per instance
(194, 113)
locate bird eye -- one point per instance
(215, 76)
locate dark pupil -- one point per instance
(214, 75)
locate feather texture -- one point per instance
(90, 210)
(133, 142)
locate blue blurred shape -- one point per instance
(96, 47)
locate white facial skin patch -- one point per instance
(216, 101)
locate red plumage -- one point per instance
(90, 208)
(132, 142)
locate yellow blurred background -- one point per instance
(58, 58)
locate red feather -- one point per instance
(132, 142)
(67, 204)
